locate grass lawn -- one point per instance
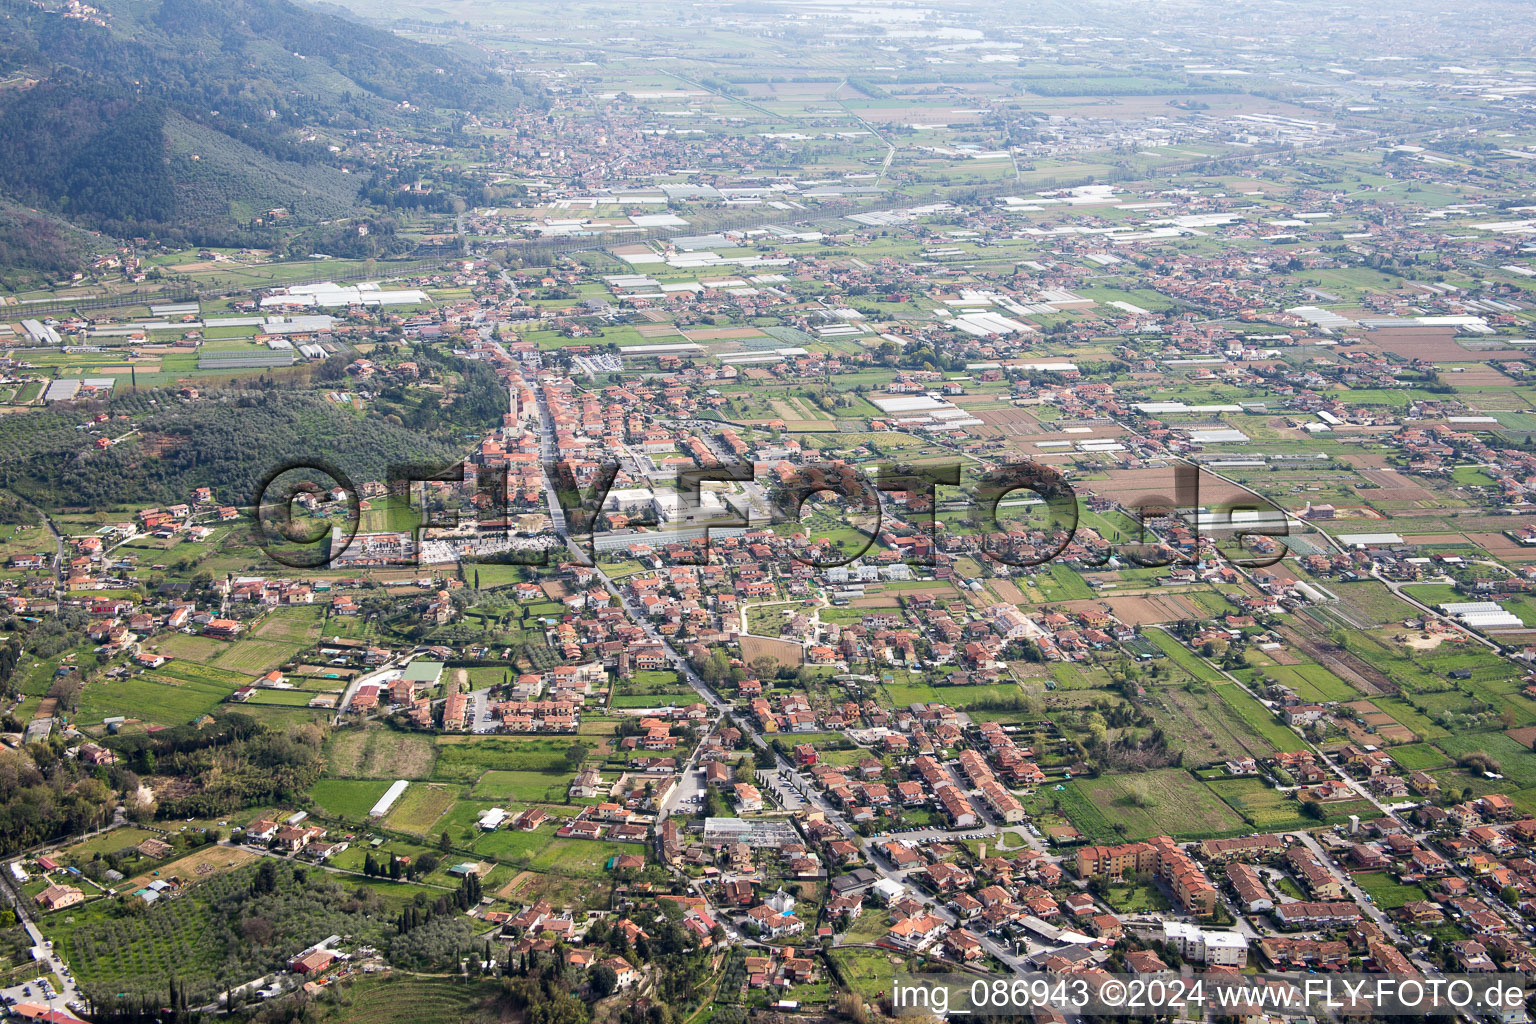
(869, 971)
(1287, 886)
(1132, 898)
(1388, 894)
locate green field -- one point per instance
(1311, 682)
(1069, 585)
(1371, 603)
(1416, 757)
(1386, 893)
(154, 697)
(1263, 807)
(299, 624)
(380, 753)
(347, 798)
(580, 856)
(1137, 898)
(420, 806)
(531, 787)
(869, 971)
(902, 694)
(282, 698)
(1516, 763)
(468, 761)
(107, 842)
(1259, 717)
(1409, 716)
(255, 656)
(1168, 801)
(512, 846)
(677, 698)
(1185, 658)
(401, 999)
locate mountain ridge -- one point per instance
(111, 116)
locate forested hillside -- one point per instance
(229, 446)
(34, 245)
(180, 119)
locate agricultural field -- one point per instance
(199, 649)
(468, 758)
(1310, 682)
(195, 867)
(1202, 725)
(347, 798)
(1372, 604)
(532, 787)
(1260, 805)
(380, 753)
(186, 936)
(1168, 801)
(1515, 761)
(403, 998)
(254, 656)
(420, 806)
(1413, 757)
(1259, 718)
(299, 625)
(1183, 657)
(157, 697)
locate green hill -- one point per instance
(185, 120)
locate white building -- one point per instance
(1212, 948)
